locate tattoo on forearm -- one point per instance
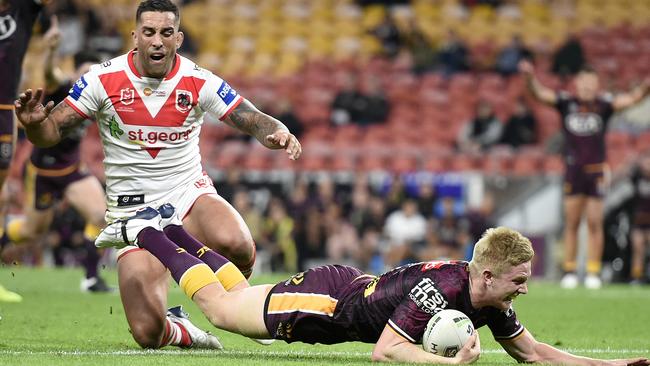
(250, 120)
(66, 118)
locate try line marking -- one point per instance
(277, 353)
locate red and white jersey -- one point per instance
(150, 127)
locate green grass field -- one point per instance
(56, 324)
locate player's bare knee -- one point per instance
(147, 335)
(238, 247)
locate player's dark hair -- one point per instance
(161, 6)
(82, 57)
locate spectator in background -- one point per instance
(641, 218)
(284, 112)
(344, 108)
(481, 132)
(309, 230)
(521, 127)
(405, 231)
(342, 239)
(105, 39)
(427, 199)
(388, 35)
(479, 220)
(569, 59)
(277, 238)
(508, 59)
(351, 105)
(421, 50)
(251, 215)
(373, 104)
(453, 55)
(448, 232)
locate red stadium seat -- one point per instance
(554, 165)
(463, 162)
(526, 165)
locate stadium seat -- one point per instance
(554, 165)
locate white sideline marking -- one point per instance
(276, 353)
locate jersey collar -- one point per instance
(172, 73)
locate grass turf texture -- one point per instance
(56, 324)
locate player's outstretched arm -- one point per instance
(539, 91)
(52, 39)
(392, 347)
(625, 100)
(45, 125)
(525, 348)
(266, 129)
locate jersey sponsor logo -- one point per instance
(183, 100)
(130, 200)
(153, 137)
(7, 26)
(584, 124)
(226, 93)
(427, 296)
(127, 96)
(78, 88)
(106, 64)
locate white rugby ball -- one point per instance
(447, 332)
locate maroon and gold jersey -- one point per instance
(334, 304)
(17, 19)
(584, 125)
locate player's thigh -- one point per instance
(594, 212)
(574, 206)
(87, 196)
(214, 222)
(143, 282)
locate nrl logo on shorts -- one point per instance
(127, 96)
(183, 100)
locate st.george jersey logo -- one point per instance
(183, 100)
(127, 96)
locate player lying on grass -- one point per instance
(335, 304)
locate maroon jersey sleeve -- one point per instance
(504, 324)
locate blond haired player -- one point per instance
(334, 304)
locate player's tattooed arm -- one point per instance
(65, 119)
(45, 125)
(266, 129)
(248, 119)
